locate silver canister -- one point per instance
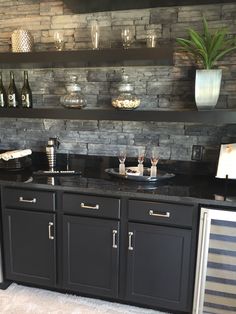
(22, 41)
(51, 148)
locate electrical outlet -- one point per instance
(197, 152)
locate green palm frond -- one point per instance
(207, 47)
(207, 35)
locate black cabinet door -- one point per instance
(29, 246)
(90, 254)
(158, 266)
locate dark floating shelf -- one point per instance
(87, 6)
(162, 55)
(214, 116)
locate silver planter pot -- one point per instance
(207, 88)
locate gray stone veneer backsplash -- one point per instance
(159, 87)
(175, 140)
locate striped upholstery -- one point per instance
(220, 288)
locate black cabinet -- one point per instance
(158, 265)
(90, 255)
(90, 205)
(161, 254)
(33, 200)
(135, 250)
(29, 242)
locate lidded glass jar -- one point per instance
(126, 98)
(74, 98)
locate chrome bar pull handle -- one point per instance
(130, 248)
(164, 214)
(22, 199)
(50, 236)
(83, 205)
(114, 243)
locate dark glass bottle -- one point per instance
(3, 94)
(12, 95)
(26, 94)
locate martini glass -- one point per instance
(154, 160)
(122, 158)
(141, 153)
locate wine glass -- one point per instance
(154, 160)
(127, 37)
(95, 34)
(151, 39)
(122, 158)
(141, 153)
(59, 40)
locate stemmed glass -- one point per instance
(154, 160)
(122, 158)
(127, 37)
(141, 153)
(95, 34)
(59, 40)
(151, 39)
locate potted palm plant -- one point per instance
(207, 49)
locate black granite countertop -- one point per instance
(185, 186)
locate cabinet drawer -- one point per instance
(29, 199)
(91, 205)
(155, 212)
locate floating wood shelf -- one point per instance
(214, 116)
(162, 55)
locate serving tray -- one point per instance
(161, 175)
(60, 173)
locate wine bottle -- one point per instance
(12, 95)
(3, 95)
(26, 94)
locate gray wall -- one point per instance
(159, 87)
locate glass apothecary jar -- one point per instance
(126, 99)
(74, 97)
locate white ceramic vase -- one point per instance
(207, 88)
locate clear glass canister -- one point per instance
(126, 98)
(74, 98)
